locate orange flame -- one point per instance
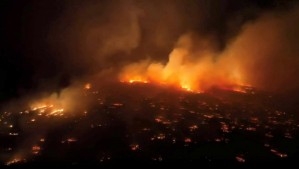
(188, 70)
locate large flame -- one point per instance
(188, 69)
(57, 104)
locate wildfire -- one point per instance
(186, 87)
(134, 147)
(138, 81)
(36, 149)
(56, 112)
(15, 160)
(134, 80)
(41, 107)
(188, 70)
(87, 86)
(47, 110)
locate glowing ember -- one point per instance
(161, 136)
(194, 127)
(71, 140)
(137, 81)
(188, 140)
(158, 120)
(254, 119)
(251, 129)
(42, 107)
(240, 159)
(288, 135)
(87, 86)
(240, 91)
(56, 112)
(118, 104)
(218, 139)
(134, 147)
(224, 127)
(208, 116)
(282, 155)
(269, 135)
(166, 122)
(146, 129)
(267, 145)
(36, 149)
(14, 161)
(47, 110)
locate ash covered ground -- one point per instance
(154, 124)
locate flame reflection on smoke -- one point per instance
(191, 71)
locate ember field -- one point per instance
(155, 124)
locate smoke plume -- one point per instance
(46, 45)
(264, 54)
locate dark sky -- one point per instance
(45, 44)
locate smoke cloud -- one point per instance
(264, 54)
(266, 51)
(46, 45)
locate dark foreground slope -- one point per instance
(155, 125)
